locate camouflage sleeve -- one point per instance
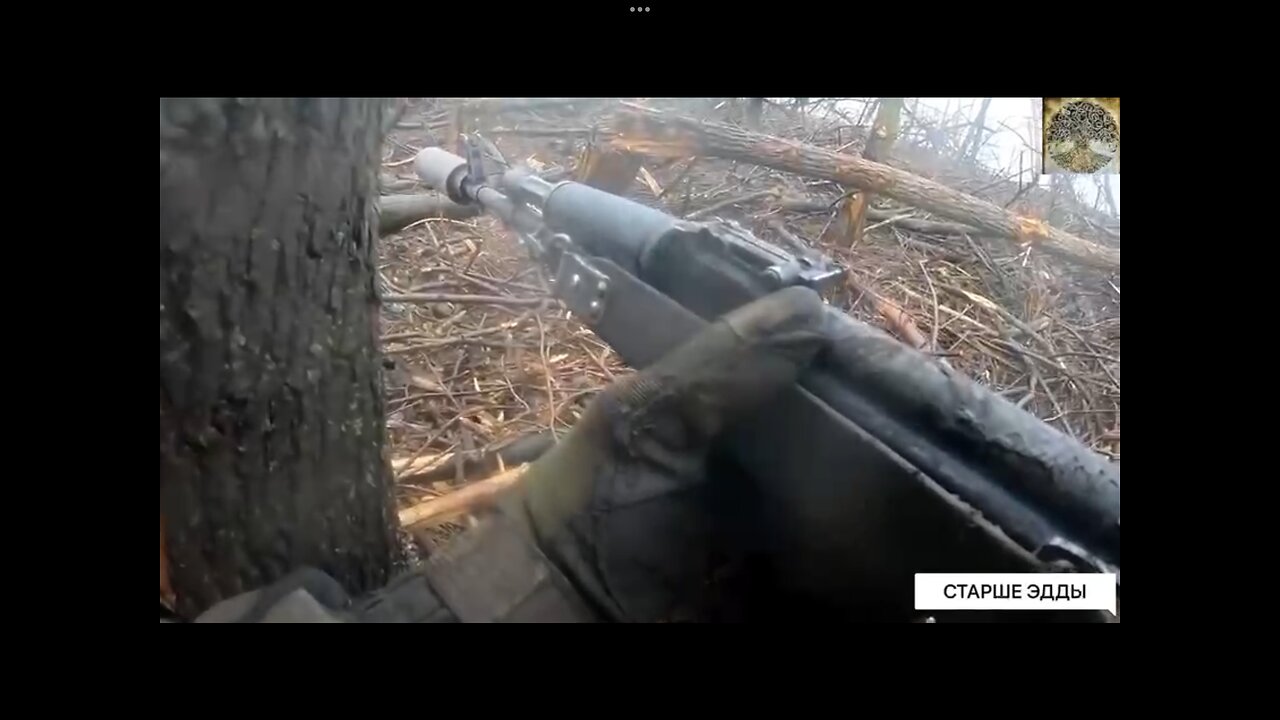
(491, 573)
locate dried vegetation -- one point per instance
(479, 355)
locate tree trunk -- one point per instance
(1106, 194)
(973, 141)
(271, 417)
(642, 130)
(884, 132)
(755, 110)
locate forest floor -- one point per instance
(468, 375)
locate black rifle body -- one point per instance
(879, 464)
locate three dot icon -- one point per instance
(639, 9)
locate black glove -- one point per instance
(618, 504)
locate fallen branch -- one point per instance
(899, 320)
(542, 132)
(504, 104)
(388, 185)
(1113, 234)
(957, 315)
(995, 308)
(889, 217)
(651, 182)
(452, 339)
(397, 211)
(788, 238)
(736, 200)
(414, 468)
(933, 246)
(423, 298)
(425, 470)
(478, 495)
(653, 132)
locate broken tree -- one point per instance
(653, 132)
(271, 410)
(884, 131)
(973, 139)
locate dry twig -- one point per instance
(461, 299)
(471, 498)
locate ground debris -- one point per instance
(467, 377)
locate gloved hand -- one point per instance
(616, 505)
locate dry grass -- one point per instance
(469, 376)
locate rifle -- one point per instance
(879, 463)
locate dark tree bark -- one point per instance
(271, 417)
